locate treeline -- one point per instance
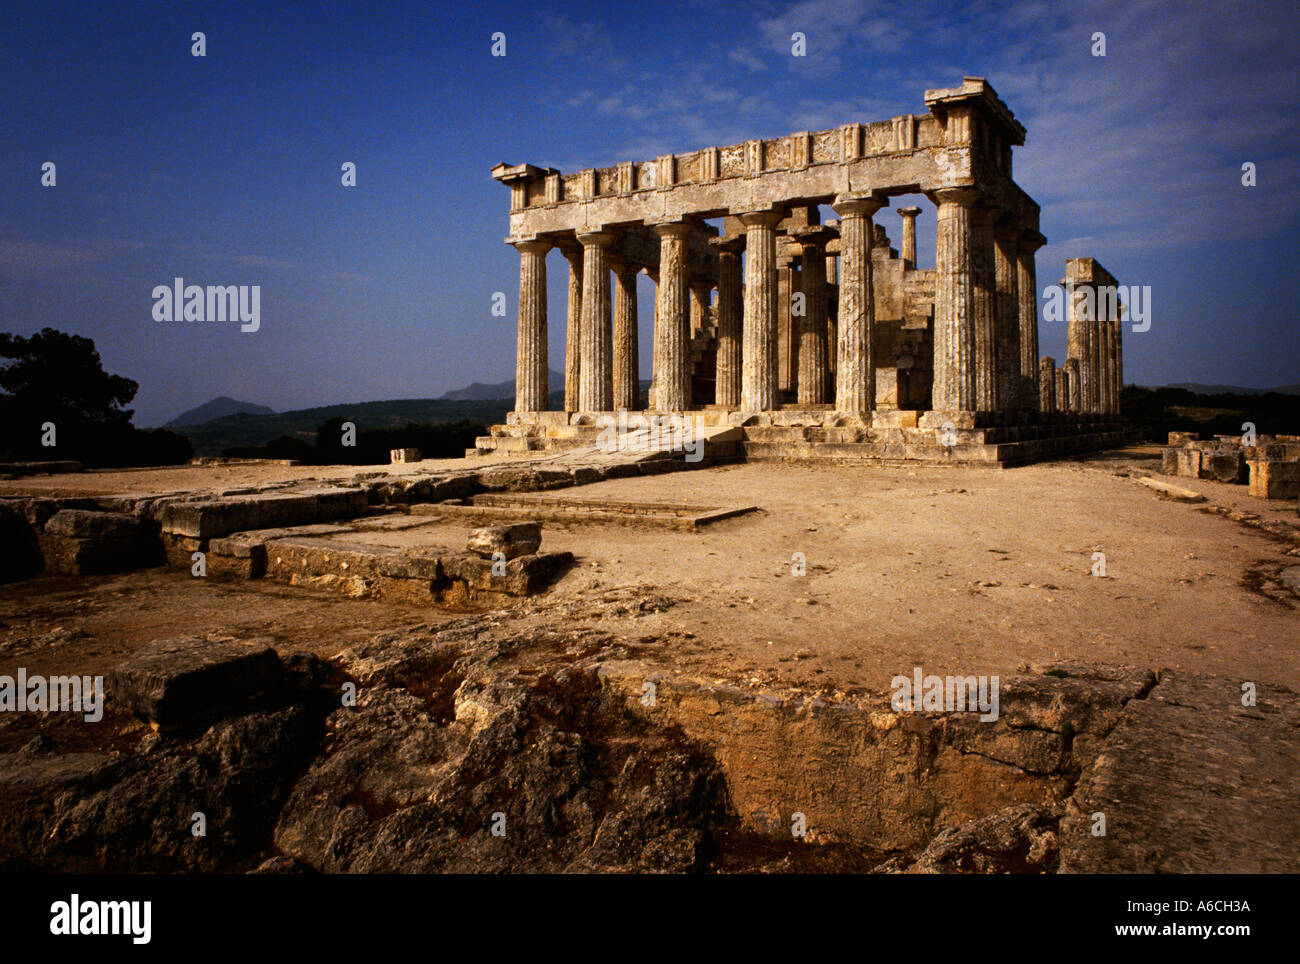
(371, 446)
(1158, 411)
(57, 403)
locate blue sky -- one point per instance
(226, 169)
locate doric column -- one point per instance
(1007, 318)
(731, 296)
(573, 328)
(814, 362)
(1074, 384)
(1081, 340)
(672, 319)
(758, 352)
(701, 292)
(984, 280)
(787, 322)
(1027, 294)
(627, 379)
(1047, 383)
(596, 381)
(954, 308)
(1119, 361)
(855, 369)
(1063, 387)
(531, 373)
(1105, 358)
(908, 248)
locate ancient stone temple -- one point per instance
(804, 336)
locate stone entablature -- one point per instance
(965, 140)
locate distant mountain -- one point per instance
(218, 408)
(242, 429)
(1233, 389)
(483, 392)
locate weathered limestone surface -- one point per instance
(77, 541)
(178, 682)
(512, 541)
(1191, 781)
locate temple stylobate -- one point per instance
(777, 320)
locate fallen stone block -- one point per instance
(512, 541)
(401, 456)
(177, 683)
(1271, 479)
(77, 542)
(1172, 491)
(523, 576)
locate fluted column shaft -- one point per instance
(907, 247)
(954, 309)
(855, 369)
(596, 380)
(758, 354)
(531, 373)
(573, 330)
(1081, 340)
(984, 279)
(730, 307)
(1027, 295)
(672, 320)
(1073, 385)
(814, 359)
(627, 378)
(1047, 385)
(1010, 384)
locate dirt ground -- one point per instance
(956, 570)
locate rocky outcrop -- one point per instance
(445, 765)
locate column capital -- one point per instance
(965, 196)
(599, 239)
(673, 229)
(846, 204)
(762, 219)
(531, 245)
(909, 212)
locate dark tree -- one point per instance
(53, 378)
